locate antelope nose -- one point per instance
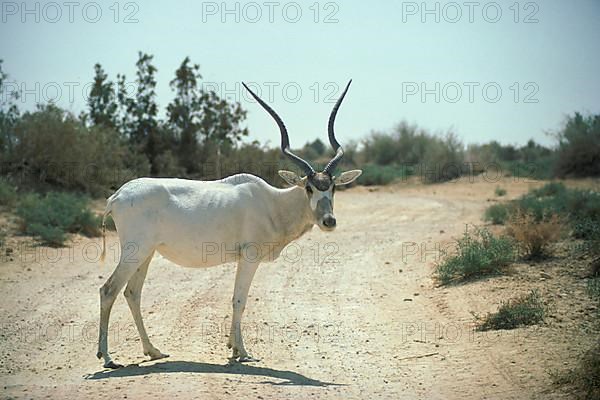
(329, 221)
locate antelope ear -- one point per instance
(347, 177)
(291, 177)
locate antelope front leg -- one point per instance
(243, 279)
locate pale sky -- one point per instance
(543, 56)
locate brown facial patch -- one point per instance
(321, 181)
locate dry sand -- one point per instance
(351, 314)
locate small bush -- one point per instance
(53, 216)
(540, 169)
(522, 311)
(579, 208)
(579, 146)
(56, 149)
(594, 288)
(586, 228)
(550, 189)
(437, 158)
(443, 159)
(533, 236)
(8, 194)
(500, 191)
(584, 213)
(380, 175)
(479, 254)
(497, 214)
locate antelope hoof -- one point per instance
(112, 365)
(156, 355)
(247, 358)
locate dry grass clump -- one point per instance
(535, 236)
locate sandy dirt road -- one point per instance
(349, 314)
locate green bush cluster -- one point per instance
(522, 311)
(578, 151)
(497, 214)
(199, 136)
(436, 158)
(52, 216)
(374, 174)
(55, 149)
(594, 288)
(479, 253)
(581, 208)
(532, 161)
(8, 194)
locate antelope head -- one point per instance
(319, 186)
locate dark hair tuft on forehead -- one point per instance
(321, 181)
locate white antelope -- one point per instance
(190, 222)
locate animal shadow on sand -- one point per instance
(166, 367)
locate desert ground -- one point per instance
(350, 314)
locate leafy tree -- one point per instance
(206, 125)
(579, 147)
(318, 147)
(220, 122)
(102, 102)
(183, 113)
(9, 115)
(140, 121)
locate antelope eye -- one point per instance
(309, 189)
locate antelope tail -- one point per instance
(107, 212)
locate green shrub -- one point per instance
(444, 157)
(497, 214)
(500, 191)
(540, 169)
(8, 194)
(436, 158)
(478, 254)
(52, 216)
(580, 208)
(584, 213)
(579, 147)
(56, 149)
(550, 189)
(381, 175)
(594, 288)
(522, 311)
(531, 161)
(586, 229)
